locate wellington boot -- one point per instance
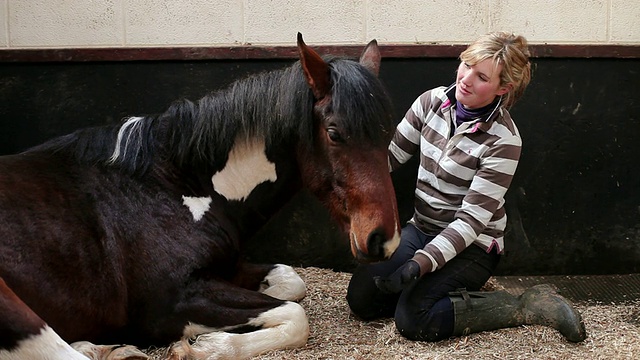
(539, 305)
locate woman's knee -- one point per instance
(425, 324)
(365, 300)
(357, 291)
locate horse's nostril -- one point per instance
(375, 244)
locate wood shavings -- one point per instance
(613, 332)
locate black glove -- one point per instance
(400, 279)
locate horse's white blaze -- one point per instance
(46, 345)
(246, 168)
(197, 205)
(283, 327)
(284, 283)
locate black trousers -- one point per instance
(423, 311)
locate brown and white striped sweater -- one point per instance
(463, 175)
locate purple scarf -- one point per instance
(463, 114)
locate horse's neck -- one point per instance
(227, 146)
(253, 182)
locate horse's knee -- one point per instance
(290, 318)
(419, 324)
(285, 326)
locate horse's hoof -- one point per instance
(109, 352)
(176, 352)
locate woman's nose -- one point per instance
(465, 78)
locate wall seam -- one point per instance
(125, 31)
(608, 26)
(364, 35)
(489, 16)
(7, 28)
(243, 14)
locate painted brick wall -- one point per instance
(136, 23)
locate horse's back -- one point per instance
(37, 189)
(51, 244)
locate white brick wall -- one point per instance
(420, 21)
(320, 21)
(183, 22)
(135, 23)
(36, 23)
(625, 21)
(554, 21)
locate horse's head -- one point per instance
(346, 165)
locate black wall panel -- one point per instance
(574, 207)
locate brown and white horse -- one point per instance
(134, 234)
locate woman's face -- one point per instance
(477, 85)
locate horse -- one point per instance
(134, 233)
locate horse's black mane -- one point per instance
(277, 105)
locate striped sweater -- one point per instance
(463, 176)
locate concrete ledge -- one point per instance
(291, 52)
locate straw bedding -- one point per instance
(613, 332)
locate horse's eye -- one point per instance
(334, 135)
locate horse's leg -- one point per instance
(279, 281)
(24, 335)
(246, 322)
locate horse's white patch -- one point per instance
(284, 283)
(197, 205)
(286, 326)
(246, 168)
(45, 345)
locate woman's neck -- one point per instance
(464, 114)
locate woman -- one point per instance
(469, 148)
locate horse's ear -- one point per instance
(315, 70)
(370, 57)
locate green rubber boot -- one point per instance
(539, 305)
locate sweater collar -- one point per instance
(484, 114)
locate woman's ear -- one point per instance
(504, 89)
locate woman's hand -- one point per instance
(400, 279)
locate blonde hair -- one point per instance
(507, 49)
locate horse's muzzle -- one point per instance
(378, 247)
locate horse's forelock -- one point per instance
(361, 101)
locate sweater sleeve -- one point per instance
(406, 140)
